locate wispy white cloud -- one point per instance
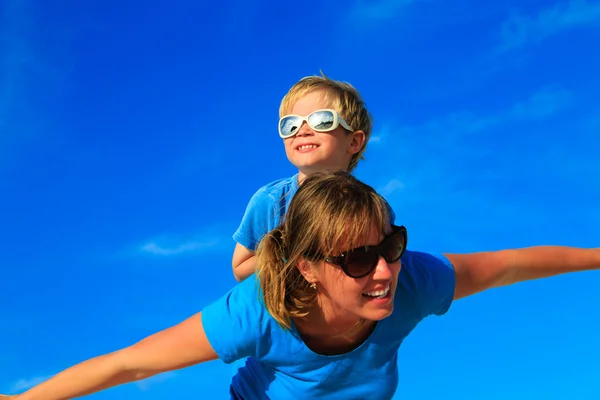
(469, 166)
(171, 246)
(520, 30)
(458, 134)
(380, 134)
(208, 238)
(391, 187)
(375, 139)
(173, 249)
(24, 384)
(542, 104)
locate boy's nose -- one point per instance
(305, 130)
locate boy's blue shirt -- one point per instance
(266, 210)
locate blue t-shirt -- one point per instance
(278, 365)
(266, 210)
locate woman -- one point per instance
(336, 295)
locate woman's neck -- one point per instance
(330, 335)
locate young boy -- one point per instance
(325, 125)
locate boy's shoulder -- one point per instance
(279, 186)
(276, 191)
(265, 210)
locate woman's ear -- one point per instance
(307, 270)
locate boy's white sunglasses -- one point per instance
(324, 120)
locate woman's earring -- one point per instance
(313, 286)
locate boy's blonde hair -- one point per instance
(330, 213)
(342, 97)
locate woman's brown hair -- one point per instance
(331, 212)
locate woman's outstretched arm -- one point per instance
(180, 346)
(477, 272)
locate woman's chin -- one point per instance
(377, 314)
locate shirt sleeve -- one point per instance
(255, 222)
(233, 324)
(432, 279)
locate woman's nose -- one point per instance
(382, 270)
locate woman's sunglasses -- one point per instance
(321, 121)
(360, 262)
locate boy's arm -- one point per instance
(243, 262)
(259, 218)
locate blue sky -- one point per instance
(133, 134)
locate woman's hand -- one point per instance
(5, 396)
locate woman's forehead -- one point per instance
(369, 236)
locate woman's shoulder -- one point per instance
(238, 323)
(427, 282)
(419, 267)
(242, 303)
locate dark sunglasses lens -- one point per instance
(393, 247)
(321, 120)
(289, 126)
(360, 262)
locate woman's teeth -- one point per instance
(378, 293)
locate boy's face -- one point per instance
(312, 151)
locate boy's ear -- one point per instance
(357, 143)
(307, 270)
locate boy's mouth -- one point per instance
(306, 147)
